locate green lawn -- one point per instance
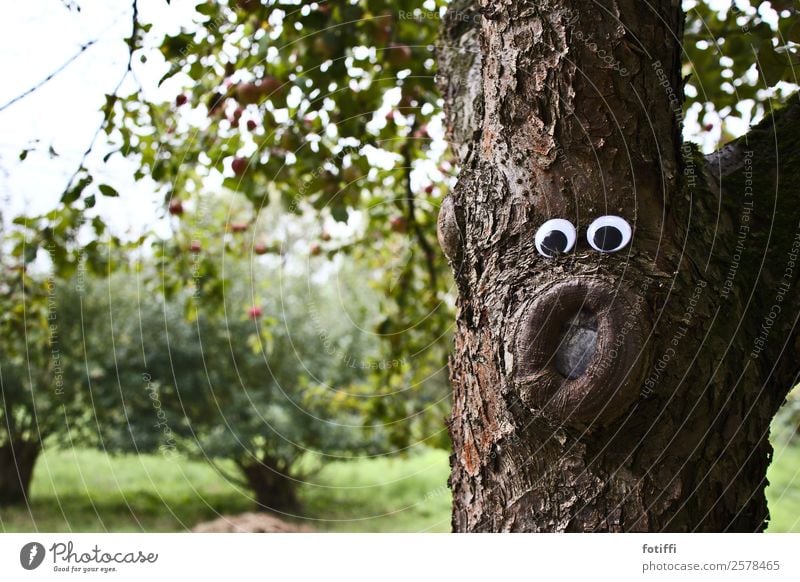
(783, 492)
(88, 491)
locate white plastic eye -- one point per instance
(555, 237)
(608, 234)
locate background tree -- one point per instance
(38, 366)
(277, 381)
(30, 361)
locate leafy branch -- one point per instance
(111, 100)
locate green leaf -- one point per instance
(90, 201)
(98, 225)
(206, 9)
(75, 192)
(173, 70)
(107, 190)
(794, 32)
(771, 64)
(339, 212)
(175, 47)
(30, 253)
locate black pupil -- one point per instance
(555, 242)
(607, 238)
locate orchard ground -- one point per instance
(89, 491)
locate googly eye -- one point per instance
(608, 234)
(555, 237)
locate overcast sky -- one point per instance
(35, 38)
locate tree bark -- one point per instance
(17, 460)
(274, 488)
(571, 109)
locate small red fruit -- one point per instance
(406, 101)
(195, 246)
(398, 224)
(315, 249)
(422, 132)
(175, 207)
(708, 126)
(181, 100)
(251, 125)
(239, 166)
(249, 5)
(326, 236)
(239, 226)
(216, 103)
(268, 85)
(429, 189)
(254, 312)
(383, 31)
(399, 54)
(248, 93)
(260, 248)
(322, 48)
(351, 174)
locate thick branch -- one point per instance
(755, 180)
(460, 80)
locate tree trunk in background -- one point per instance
(571, 109)
(274, 489)
(17, 460)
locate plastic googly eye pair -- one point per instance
(607, 234)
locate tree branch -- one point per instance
(430, 255)
(108, 108)
(755, 179)
(49, 77)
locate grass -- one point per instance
(86, 490)
(383, 495)
(783, 492)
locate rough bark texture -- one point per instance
(567, 109)
(16, 470)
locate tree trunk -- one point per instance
(275, 490)
(17, 460)
(571, 109)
